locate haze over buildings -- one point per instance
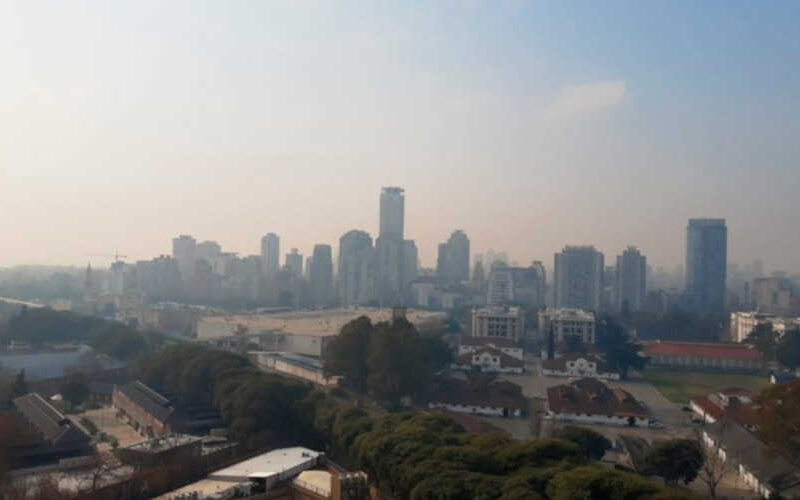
(528, 129)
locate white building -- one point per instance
(578, 365)
(497, 321)
(474, 344)
(489, 360)
(567, 323)
(744, 323)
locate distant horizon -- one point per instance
(530, 126)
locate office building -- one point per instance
(578, 278)
(321, 275)
(772, 295)
(410, 262)
(564, 323)
(498, 321)
(389, 247)
(294, 263)
(452, 264)
(631, 280)
(706, 264)
(184, 249)
(270, 253)
(523, 286)
(356, 268)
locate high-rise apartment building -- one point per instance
(389, 247)
(321, 275)
(524, 286)
(631, 280)
(356, 268)
(294, 262)
(184, 251)
(270, 254)
(578, 278)
(410, 261)
(452, 264)
(706, 264)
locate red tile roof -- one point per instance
(702, 350)
(590, 396)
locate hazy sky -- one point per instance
(529, 125)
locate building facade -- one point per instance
(452, 264)
(631, 280)
(564, 323)
(578, 278)
(498, 321)
(706, 264)
(294, 263)
(523, 286)
(389, 247)
(356, 274)
(270, 253)
(321, 274)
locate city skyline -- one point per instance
(534, 127)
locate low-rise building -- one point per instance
(43, 435)
(489, 360)
(716, 356)
(498, 321)
(290, 473)
(162, 450)
(590, 401)
(296, 365)
(734, 403)
(479, 396)
(761, 468)
(565, 323)
(579, 365)
(145, 409)
(744, 323)
(472, 344)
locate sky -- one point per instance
(529, 125)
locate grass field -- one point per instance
(679, 387)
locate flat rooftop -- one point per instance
(320, 323)
(162, 443)
(276, 461)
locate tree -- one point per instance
(787, 351)
(621, 353)
(715, 465)
(779, 417)
(765, 339)
(675, 460)
(597, 483)
(74, 390)
(346, 354)
(593, 445)
(20, 386)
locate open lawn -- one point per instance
(679, 386)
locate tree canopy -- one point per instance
(593, 445)
(675, 460)
(620, 351)
(387, 360)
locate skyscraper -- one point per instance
(410, 261)
(321, 274)
(389, 247)
(578, 278)
(452, 264)
(270, 253)
(524, 286)
(706, 263)
(294, 262)
(631, 280)
(356, 268)
(184, 251)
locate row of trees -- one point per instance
(387, 360)
(783, 348)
